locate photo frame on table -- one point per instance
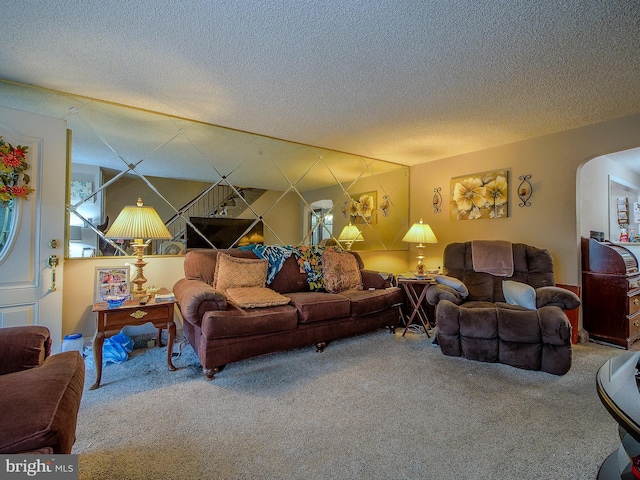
(111, 281)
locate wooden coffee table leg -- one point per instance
(98, 342)
(171, 326)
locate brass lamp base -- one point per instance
(139, 249)
(420, 258)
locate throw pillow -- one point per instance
(516, 293)
(255, 297)
(454, 283)
(233, 272)
(340, 272)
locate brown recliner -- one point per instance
(41, 393)
(475, 321)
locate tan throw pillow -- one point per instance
(233, 272)
(253, 297)
(340, 272)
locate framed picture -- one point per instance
(480, 195)
(362, 207)
(81, 190)
(111, 281)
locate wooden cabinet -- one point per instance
(610, 293)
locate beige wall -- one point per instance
(129, 187)
(280, 218)
(551, 221)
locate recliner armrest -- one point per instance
(439, 292)
(195, 298)
(556, 296)
(23, 347)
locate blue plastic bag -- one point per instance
(115, 349)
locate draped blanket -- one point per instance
(275, 254)
(308, 257)
(492, 256)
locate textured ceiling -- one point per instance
(406, 81)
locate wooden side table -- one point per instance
(417, 300)
(112, 320)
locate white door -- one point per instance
(28, 295)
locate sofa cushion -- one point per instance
(254, 297)
(340, 272)
(200, 263)
(23, 347)
(479, 322)
(365, 302)
(480, 286)
(240, 322)
(233, 272)
(317, 306)
(518, 326)
(521, 294)
(289, 278)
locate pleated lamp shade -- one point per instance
(138, 222)
(420, 233)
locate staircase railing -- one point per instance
(205, 204)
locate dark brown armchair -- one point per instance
(515, 315)
(41, 393)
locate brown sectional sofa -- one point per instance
(221, 332)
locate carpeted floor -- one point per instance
(376, 406)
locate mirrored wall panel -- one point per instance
(214, 187)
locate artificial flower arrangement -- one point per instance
(14, 182)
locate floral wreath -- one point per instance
(14, 183)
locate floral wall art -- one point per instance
(361, 208)
(480, 195)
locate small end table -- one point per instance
(112, 320)
(417, 300)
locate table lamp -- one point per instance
(350, 234)
(420, 233)
(137, 223)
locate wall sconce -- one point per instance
(350, 234)
(137, 223)
(525, 190)
(420, 233)
(384, 207)
(437, 200)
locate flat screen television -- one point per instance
(223, 233)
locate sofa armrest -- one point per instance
(374, 279)
(23, 347)
(195, 298)
(556, 296)
(40, 406)
(439, 291)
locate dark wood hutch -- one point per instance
(610, 293)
